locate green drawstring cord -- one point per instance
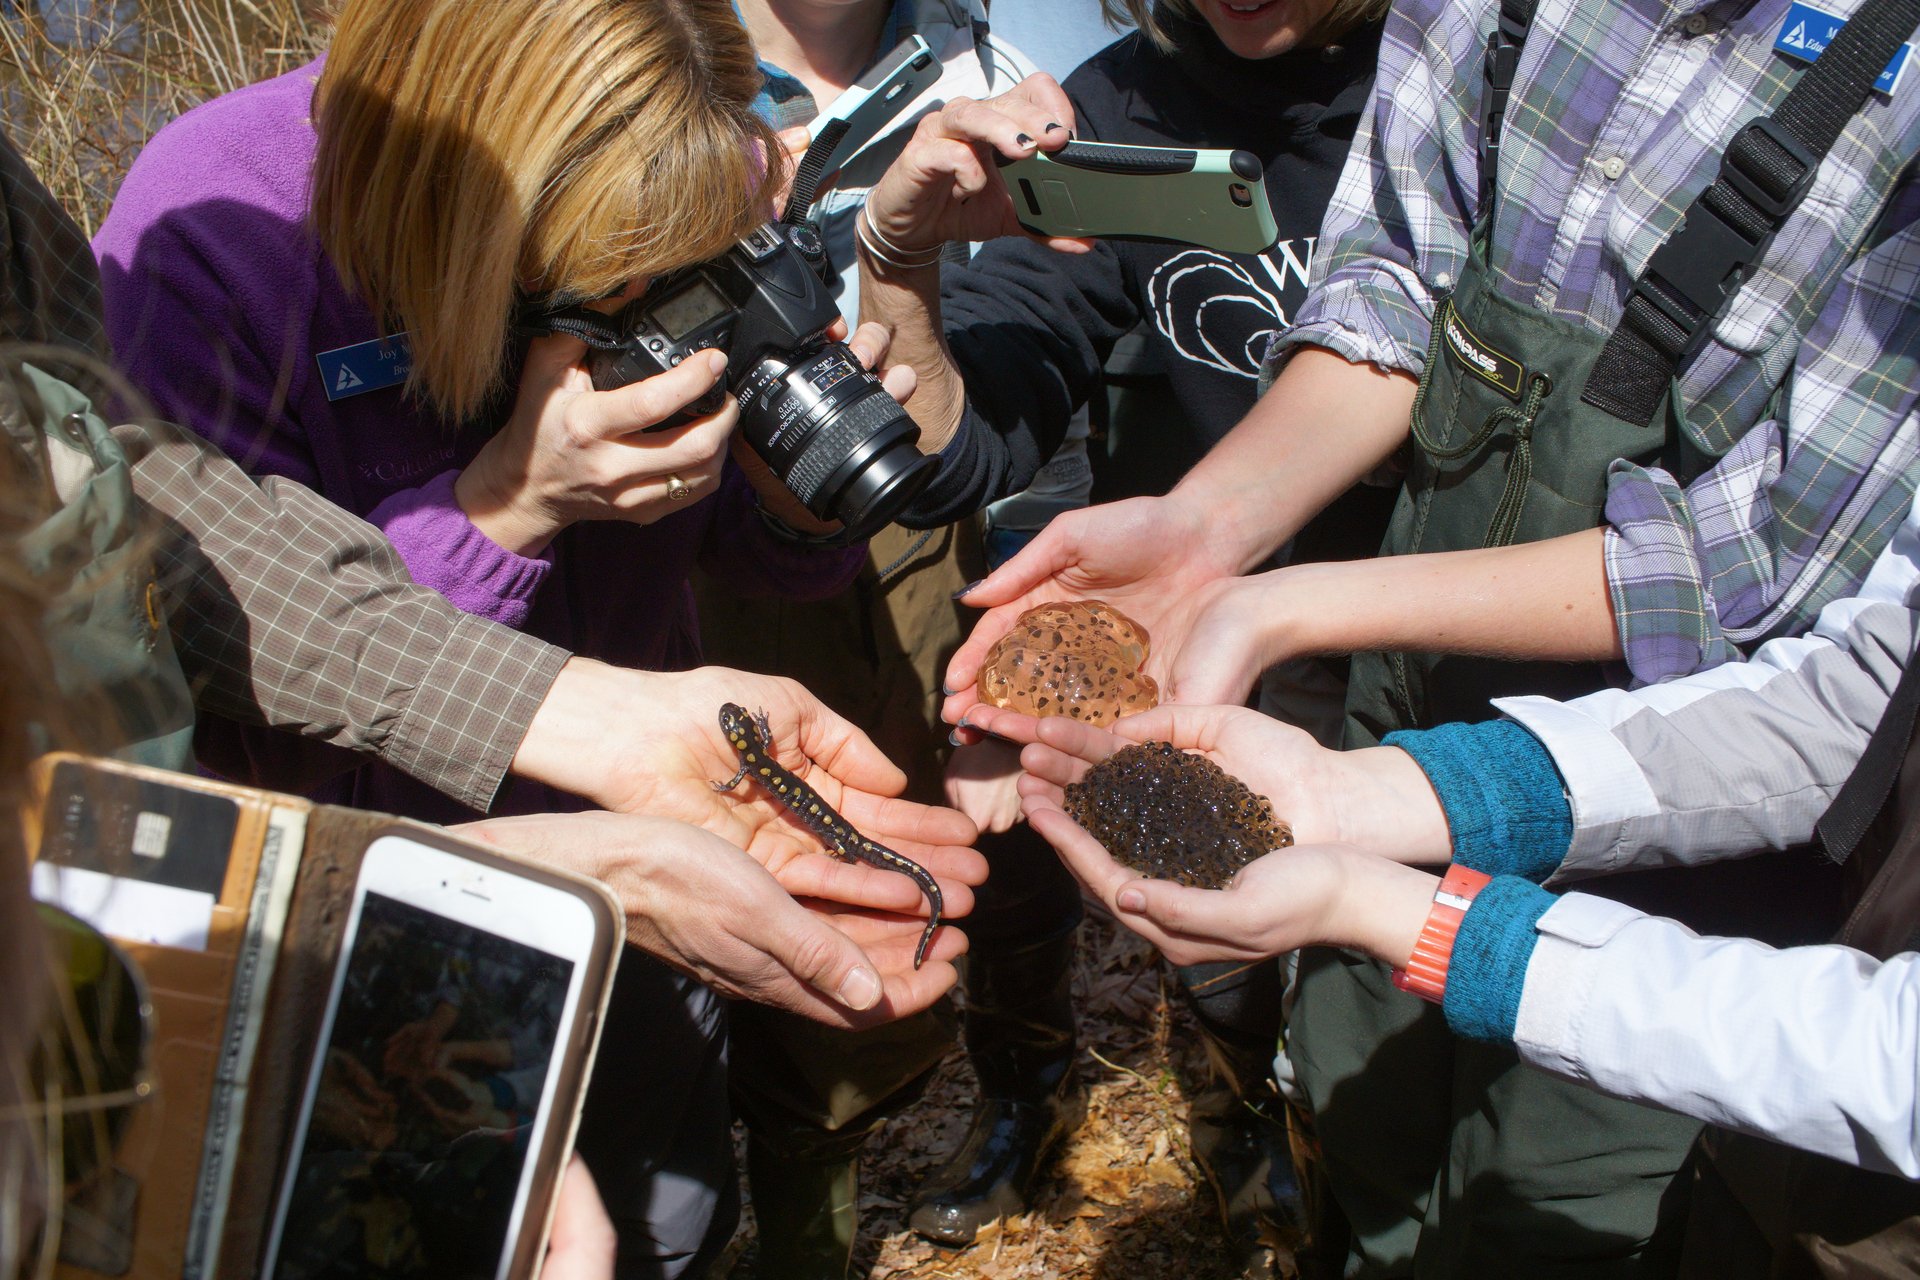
(1513, 499)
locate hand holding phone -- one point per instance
(946, 184)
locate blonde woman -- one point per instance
(321, 273)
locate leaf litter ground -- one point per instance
(1122, 1200)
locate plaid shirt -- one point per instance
(1806, 389)
(284, 609)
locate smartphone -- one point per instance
(452, 1060)
(869, 106)
(1216, 199)
(866, 109)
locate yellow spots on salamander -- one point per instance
(748, 735)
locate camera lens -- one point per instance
(834, 436)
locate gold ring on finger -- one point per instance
(678, 490)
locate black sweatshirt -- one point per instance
(1031, 329)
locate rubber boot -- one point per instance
(1238, 1128)
(1019, 1029)
(805, 1209)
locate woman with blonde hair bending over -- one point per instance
(322, 273)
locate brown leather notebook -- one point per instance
(233, 902)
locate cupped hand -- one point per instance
(570, 453)
(1307, 895)
(650, 742)
(1149, 557)
(946, 184)
(701, 905)
(1236, 633)
(1377, 799)
(982, 781)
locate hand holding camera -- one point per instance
(570, 452)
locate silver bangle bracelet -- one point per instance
(884, 250)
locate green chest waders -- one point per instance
(1447, 1157)
(1504, 451)
(113, 655)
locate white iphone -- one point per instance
(450, 1066)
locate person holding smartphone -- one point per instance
(1591, 496)
(809, 1095)
(1007, 348)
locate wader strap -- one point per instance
(1865, 791)
(1502, 60)
(1764, 173)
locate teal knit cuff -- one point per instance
(1505, 802)
(1488, 970)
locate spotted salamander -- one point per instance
(749, 736)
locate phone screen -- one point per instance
(429, 1089)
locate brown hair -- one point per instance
(1344, 15)
(472, 151)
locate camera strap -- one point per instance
(575, 320)
(813, 168)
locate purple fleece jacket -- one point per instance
(218, 299)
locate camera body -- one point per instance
(825, 425)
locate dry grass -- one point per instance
(1123, 1201)
(85, 82)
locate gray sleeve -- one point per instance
(1742, 757)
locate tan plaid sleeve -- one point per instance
(291, 613)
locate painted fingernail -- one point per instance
(946, 692)
(1023, 139)
(861, 990)
(1072, 136)
(954, 739)
(1053, 126)
(968, 589)
(1131, 900)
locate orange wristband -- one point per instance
(1426, 972)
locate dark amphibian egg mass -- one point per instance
(1175, 815)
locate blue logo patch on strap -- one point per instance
(1807, 31)
(365, 366)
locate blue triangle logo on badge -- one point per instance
(347, 380)
(1796, 37)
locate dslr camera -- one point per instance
(823, 423)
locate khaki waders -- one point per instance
(811, 1094)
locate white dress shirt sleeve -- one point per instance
(1736, 759)
(1816, 1047)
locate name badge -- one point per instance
(365, 366)
(1807, 31)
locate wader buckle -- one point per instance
(1692, 275)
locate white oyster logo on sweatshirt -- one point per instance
(1216, 312)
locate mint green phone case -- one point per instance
(1216, 199)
